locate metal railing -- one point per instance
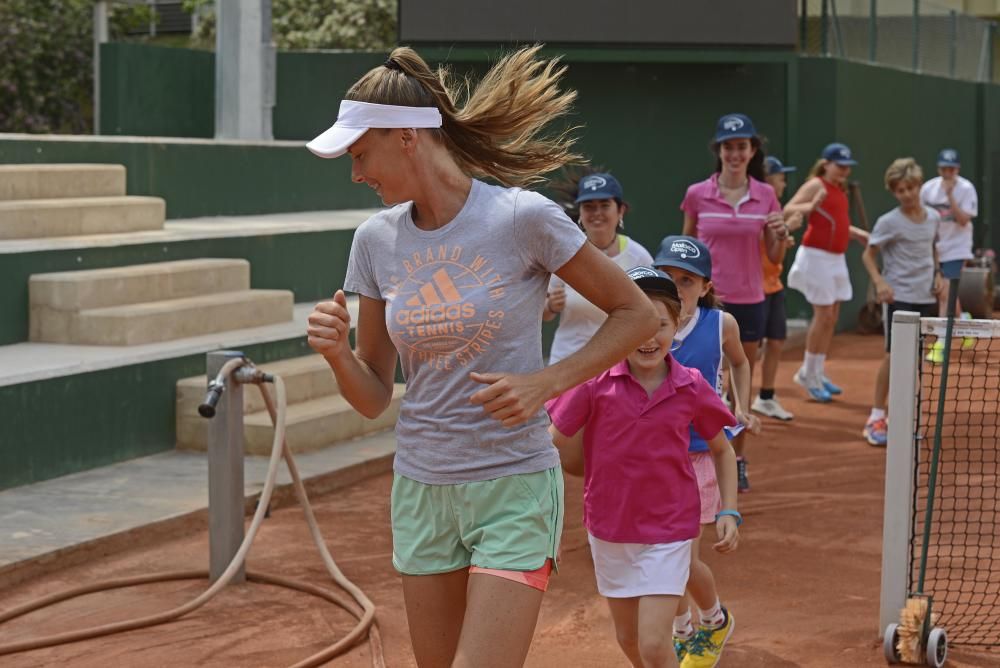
(915, 35)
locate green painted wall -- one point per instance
(202, 178)
(74, 423)
(312, 265)
(156, 90)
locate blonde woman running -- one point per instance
(452, 279)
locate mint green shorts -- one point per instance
(510, 523)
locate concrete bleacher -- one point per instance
(38, 201)
(146, 303)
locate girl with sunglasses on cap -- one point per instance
(820, 268)
(706, 336)
(598, 203)
(452, 280)
(731, 212)
(641, 500)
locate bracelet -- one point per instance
(731, 513)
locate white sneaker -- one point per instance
(770, 408)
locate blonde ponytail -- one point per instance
(496, 132)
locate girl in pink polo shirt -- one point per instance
(732, 211)
(642, 507)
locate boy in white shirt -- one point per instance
(956, 201)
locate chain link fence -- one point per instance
(910, 34)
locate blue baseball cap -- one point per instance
(685, 253)
(839, 153)
(653, 280)
(734, 126)
(598, 186)
(948, 157)
(774, 166)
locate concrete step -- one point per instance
(318, 423)
(149, 322)
(40, 181)
(76, 216)
(310, 425)
(307, 377)
(133, 284)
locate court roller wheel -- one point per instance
(937, 647)
(975, 291)
(889, 641)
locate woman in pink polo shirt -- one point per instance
(731, 212)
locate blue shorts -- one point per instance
(750, 318)
(952, 269)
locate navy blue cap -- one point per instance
(685, 253)
(839, 153)
(598, 186)
(653, 280)
(734, 126)
(774, 166)
(948, 157)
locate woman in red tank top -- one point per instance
(820, 268)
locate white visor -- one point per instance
(355, 118)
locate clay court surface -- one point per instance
(803, 587)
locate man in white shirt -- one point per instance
(955, 199)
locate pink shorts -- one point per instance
(708, 485)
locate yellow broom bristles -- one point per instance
(911, 627)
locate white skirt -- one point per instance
(626, 570)
(821, 276)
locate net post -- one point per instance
(899, 466)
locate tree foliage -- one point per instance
(316, 24)
(46, 71)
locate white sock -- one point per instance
(877, 414)
(682, 626)
(820, 361)
(714, 617)
(810, 364)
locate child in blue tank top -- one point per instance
(706, 335)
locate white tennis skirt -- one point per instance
(626, 570)
(821, 276)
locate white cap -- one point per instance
(355, 118)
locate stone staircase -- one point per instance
(39, 200)
(318, 416)
(150, 303)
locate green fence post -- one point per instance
(804, 26)
(824, 21)
(872, 31)
(952, 41)
(916, 35)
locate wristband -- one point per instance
(732, 513)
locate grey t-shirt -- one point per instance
(907, 254)
(462, 298)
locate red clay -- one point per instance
(803, 586)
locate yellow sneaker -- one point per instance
(681, 648)
(705, 648)
(936, 354)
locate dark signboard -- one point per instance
(737, 23)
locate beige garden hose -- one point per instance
(361, 607)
